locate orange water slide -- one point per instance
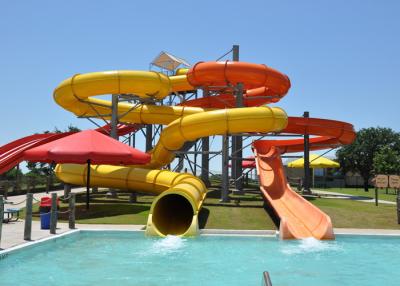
(298, 217)
(261, 84)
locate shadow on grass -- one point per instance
(203, 217)
(105, 210)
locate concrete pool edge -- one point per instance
(203, 232)
(366, 231)
(19, 247)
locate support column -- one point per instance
(133, 140)
(1, 216)
(28, 217)
(53, 214)
(195, 159)
(71, 214)
(237, 151)
(205, 148)
(237, 143)
(114, 117)
(67, 190)
(17, 179)
(307, 174)
(205, 164)
(114, 128)
(225, 169)
(149, 137)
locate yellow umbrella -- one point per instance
(316, 162)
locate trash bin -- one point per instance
(44, 209)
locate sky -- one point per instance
(342, 56)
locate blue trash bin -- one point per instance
(45, 220)
(45, 217)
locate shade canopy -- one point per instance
(169, 62)
(87, 145)
(316, 162)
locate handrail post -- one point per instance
(71, 214)
(1, 215)
(28, 217)
(266, 280)
(53, 214)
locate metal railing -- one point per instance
(266, 280)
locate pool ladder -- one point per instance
(266, 280)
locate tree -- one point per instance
(359, 156)
(11, 175)
(387, 161)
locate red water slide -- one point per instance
(11, 154)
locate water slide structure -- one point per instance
(180, 195)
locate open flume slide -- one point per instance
(12, 153)
(298, 217)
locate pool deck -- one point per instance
(13, 233)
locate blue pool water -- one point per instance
(128, 258)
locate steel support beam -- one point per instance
(225, 169)
(205, 158)
(149, 137)
(307, 171)
(237, 141)
(205, 163)
(114, 117)
(237, 146)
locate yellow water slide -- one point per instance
(175, 210)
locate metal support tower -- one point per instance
(225, 169)
(237, 146)
(205, 148)
(113, 133)
(114, 117)
(149, 137)
(307, 173)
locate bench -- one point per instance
(12, 215)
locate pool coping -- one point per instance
(204, 232)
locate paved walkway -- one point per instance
(335, 195)
(13, 233)
(20, 201)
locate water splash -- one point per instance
(167, 245)
(309, 245)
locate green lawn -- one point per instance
(391, 196)
(243, 212)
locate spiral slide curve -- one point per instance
(175, 210)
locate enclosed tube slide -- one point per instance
(182, 196)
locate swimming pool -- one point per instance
(128, 258)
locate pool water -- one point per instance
(128, 258)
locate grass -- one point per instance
(353, 214)
(243, 212)
(391, 196)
